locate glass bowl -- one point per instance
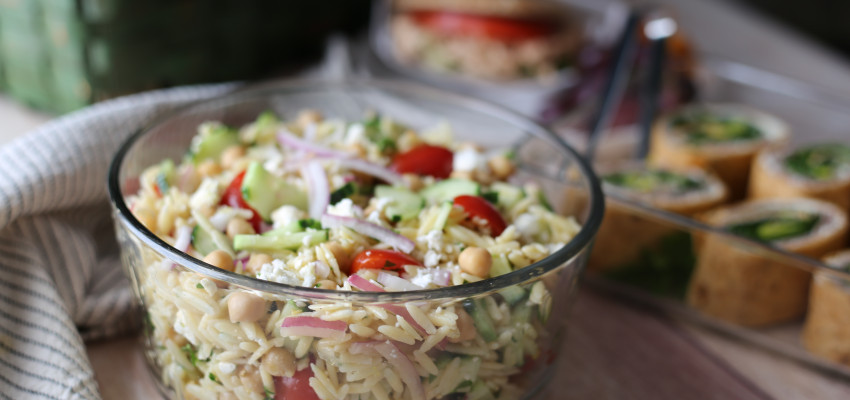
(197, 352)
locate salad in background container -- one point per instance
(519, 53)
(352, 240)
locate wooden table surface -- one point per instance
(614, 350)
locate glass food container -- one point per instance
(197, 352)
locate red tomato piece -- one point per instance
(233, 197)
(387, 260)
(492, 27)
(477, 207)
(425, 159)
(295, 388)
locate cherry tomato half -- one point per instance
(493, 27)
(295, 388)
(233, 197)
(477, 207)
(387, 260)
(425, 159)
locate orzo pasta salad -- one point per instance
(337, 205)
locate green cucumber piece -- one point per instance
(403, 204)
(521, 313)
(482, 321)
(511, 294)
(448, 189)
(214, 239)
(443, 216)
(265, 192)
(479, 391)
(509, 195)
(202, 241)
(291, 241)
(211, 141)
(165, 175)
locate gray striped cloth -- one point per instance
(60, 279)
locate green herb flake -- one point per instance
(214, 378)
(343, 192)
(395, 219)
(385, 144)
(492, 197)
(310, 223)
(269, 393)
(199, 285)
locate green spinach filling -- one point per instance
(783, 226)
(648, 181)
(704, 128)
(819, 162)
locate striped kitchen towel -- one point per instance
(60, 278)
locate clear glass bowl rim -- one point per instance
(563, 255)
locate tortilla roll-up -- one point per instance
(738, 283)
(723, 138)
(827, 329)
(623, 234)
(820, 171)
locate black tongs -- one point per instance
(657, 26)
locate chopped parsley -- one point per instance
(214, 378)
(199, 285)
(492, 197)
(192, 353)
(343, 192)
(310, 223)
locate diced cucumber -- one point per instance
(480, 391)
(443, 216)
(448, 189)
(509, 195)
(265, 192)
(215, 239)
(403, 204)
(482, 321)
(501, 266)
(469, 369)
(211, 141)
(521, 313)
(291, 241)
(544, 308)
(165, 175)
(202, 241)
(294, 227)
(291, 308)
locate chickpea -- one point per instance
(231, 155)
(501, 166)
(245, 307)
(414, 182)
(475, 261)
(408, 140)
(340, 255)
(209, 168)
(251, 379)
(220, 259)
(256, 261)
(326, 284)
(238, 226)
(279, 362)
(307, 117)
(146, 216)
(466, 327)
(467, 175)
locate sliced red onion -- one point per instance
(405, 368)
(286, 138)
(402, 312)
(395, 283)
(369, 229)
(183, 237)
(359, 282)
(306, 325)
(317, 181)
(375, 170)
